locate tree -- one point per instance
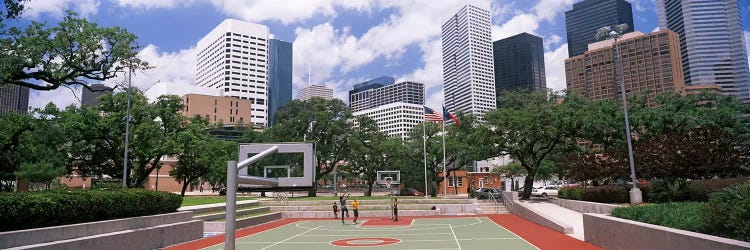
(371, 151)
(40, 172)
(154, 136)
(415, 154)
(14, 127)
(324, 122)
(75, 52)
(192, 162)
(511, 170)
(466, 144)
(532, 127)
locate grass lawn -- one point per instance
(680, 215)
(201, 200)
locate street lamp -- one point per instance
(135, 62)
(607, 32)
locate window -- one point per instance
(455, 180)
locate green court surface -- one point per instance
(461, 233)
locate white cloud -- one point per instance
(431, 73)
(554, 67)
(61, 97)
(285, 11)
(57, 8)
(149, 4)
(434, 100)
(548, 9)
(520, 23)
(551, 40)
(172, 67)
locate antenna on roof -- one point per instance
(309, 79)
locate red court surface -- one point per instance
(434, 232)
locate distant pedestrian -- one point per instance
(335, 210)
(395, 209)
(355, 205)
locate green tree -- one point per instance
(371, 151)
(511, 170)
(415, 154)
(533, 127)
(155, 136)
(40, 172)
(74, 52)
(193, 143)
(13, 126)
(324, 122)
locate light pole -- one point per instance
(607, 32)
(138, 63)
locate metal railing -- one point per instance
(496, 203)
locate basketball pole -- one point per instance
(445, 167)
(424, 148)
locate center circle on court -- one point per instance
(365, 242)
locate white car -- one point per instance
(544, 191)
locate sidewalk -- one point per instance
(567, 216)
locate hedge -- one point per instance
(61, 207)
(680, 215)
(698, 190)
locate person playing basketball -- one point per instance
(395, 209)
(344, 210)
(335, 210)
(355, 206)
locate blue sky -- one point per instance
(343, 41)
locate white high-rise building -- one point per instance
(233, 57)
(395, 119)
(315, 90)
(468, 69)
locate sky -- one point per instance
(343, 42)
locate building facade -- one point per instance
(90, 97)
(234, 57)
(371, 84)
(315, 90)
(279, 77)
(395, 119)
(226, 110)
(586, 17)
(468, 70)
(14, 98)
(651, 64)
(519, 64)
(406, 92)
(712, 43)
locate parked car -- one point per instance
(544, 191)
(410, 192)
(484, 193)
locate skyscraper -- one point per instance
(315, 90)
(91, 97)
(233, 57)
(279, 76)
(588, 16)
(519, 64)
(712, 43)
(405, 92)
(468, 72)
(14, 98)
(371, 84)
(651, 64)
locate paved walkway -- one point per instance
(567, 216)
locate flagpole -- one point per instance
(445, 166)
(424, 148)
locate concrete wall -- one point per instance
(87, 230)
(517, 208)
(585, 206)
(218, 226)
(615, 233)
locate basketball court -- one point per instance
(444, 233)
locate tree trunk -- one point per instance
(312, 192)
(185, 184)
(528, 185)
(369, 189)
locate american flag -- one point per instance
(431, 116)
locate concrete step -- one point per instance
(401, 201)
(220, 215)
(216, 207)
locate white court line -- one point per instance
(513, 233)
(401, 228)
(290, 238)
(454, 237)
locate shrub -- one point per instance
(606, 194)
(698, 190)
(61, 207)
(680, 215)
(107, 185)
(728, 213)
(668, 190)
(572, 193)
